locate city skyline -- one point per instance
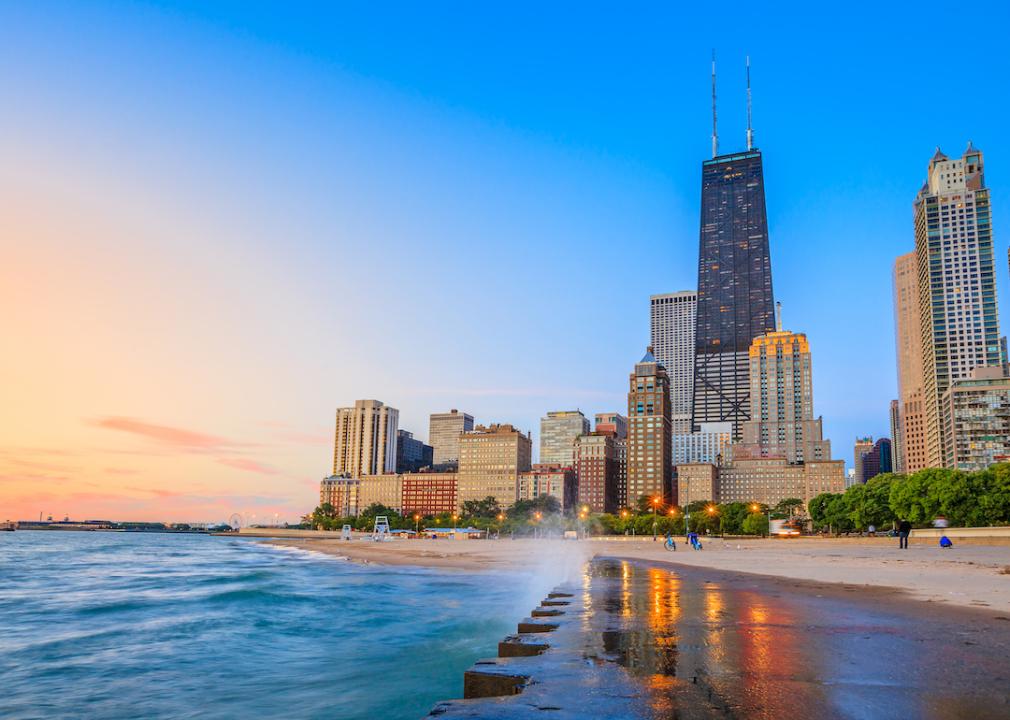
(162, 242)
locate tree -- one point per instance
(543, 504)
(836, 513)
(486, 508)
(817, 507)
(755, 524)
(788, 507)
(732, 516)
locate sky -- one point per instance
(221, 221)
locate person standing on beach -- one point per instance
(904, 528)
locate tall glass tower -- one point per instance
(735, 302)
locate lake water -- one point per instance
(110, 625)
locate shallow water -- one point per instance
(109, 625)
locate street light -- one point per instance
(455, 517)
(536, 530)
(417, 523)
(768, 515)
(655, 521)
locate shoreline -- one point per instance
(971, 576)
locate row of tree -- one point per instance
(965, 499)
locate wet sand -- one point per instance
(714, 644)
(975, 576)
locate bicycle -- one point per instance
(669, 544)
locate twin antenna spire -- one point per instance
(715, 131)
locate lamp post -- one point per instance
(454, 518)
(655, 519)
(711, 510)
(536, 528)
(768, 515)
(417, 523)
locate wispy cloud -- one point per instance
(164, 434)
(248, 465)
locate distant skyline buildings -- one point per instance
(672, 318)
(735, 302)
(908, 344)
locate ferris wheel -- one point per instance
(236, 521)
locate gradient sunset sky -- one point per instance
(221, 221)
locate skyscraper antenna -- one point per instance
(750, 129)
(715, 134)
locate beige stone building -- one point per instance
(365, 439)
(382, 489)
(761, 480)
(697, 482)
(782, 422)
(908, 341)
(490, 461)
(650, 451)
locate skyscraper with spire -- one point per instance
(735, 302)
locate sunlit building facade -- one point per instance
(365, 439)
(672, 318)
(558, 431)
(650, 471)
(490, 461)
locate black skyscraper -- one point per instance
(735, 302)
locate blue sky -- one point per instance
(248, 214)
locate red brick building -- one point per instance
(430, 493)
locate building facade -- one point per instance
(874, 460)
(444, 430)
(365, 439)
(672, 319)
(735, 302)
(976, 418)
(764, 480)
(650, 471)
(908, 342)
(613, 423)
(782, 422)
(411, 453)
(557, 436)
(710, 444)
(897, 444)
(430, 493)
(340, 492)
(384, 490)
(596, 468)
(558, 481)
(697, 482)
(957, 287)
(490, 461)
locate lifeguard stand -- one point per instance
(381, 530)
(345, 533)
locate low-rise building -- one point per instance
(697, 482)
(548, 479)
(384, 490)
(762, 480)
(429, 493)
(340, 492)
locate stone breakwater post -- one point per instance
(545, 667)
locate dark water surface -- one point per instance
(717, 645)
(115, 625)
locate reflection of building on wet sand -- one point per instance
(695, 645)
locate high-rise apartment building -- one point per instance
(411, 453)
(490, 460)
(672, 319)
(735, 302)
(614, 423)
(897, 443)
(908, 344)
(596, 468)
(976, 418)
(957, 287)
(650, 471)
(557, 436)
(444, 430)
(365, 439)
(782, 422)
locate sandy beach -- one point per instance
(976, 576)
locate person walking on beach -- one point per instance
(904, 528)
